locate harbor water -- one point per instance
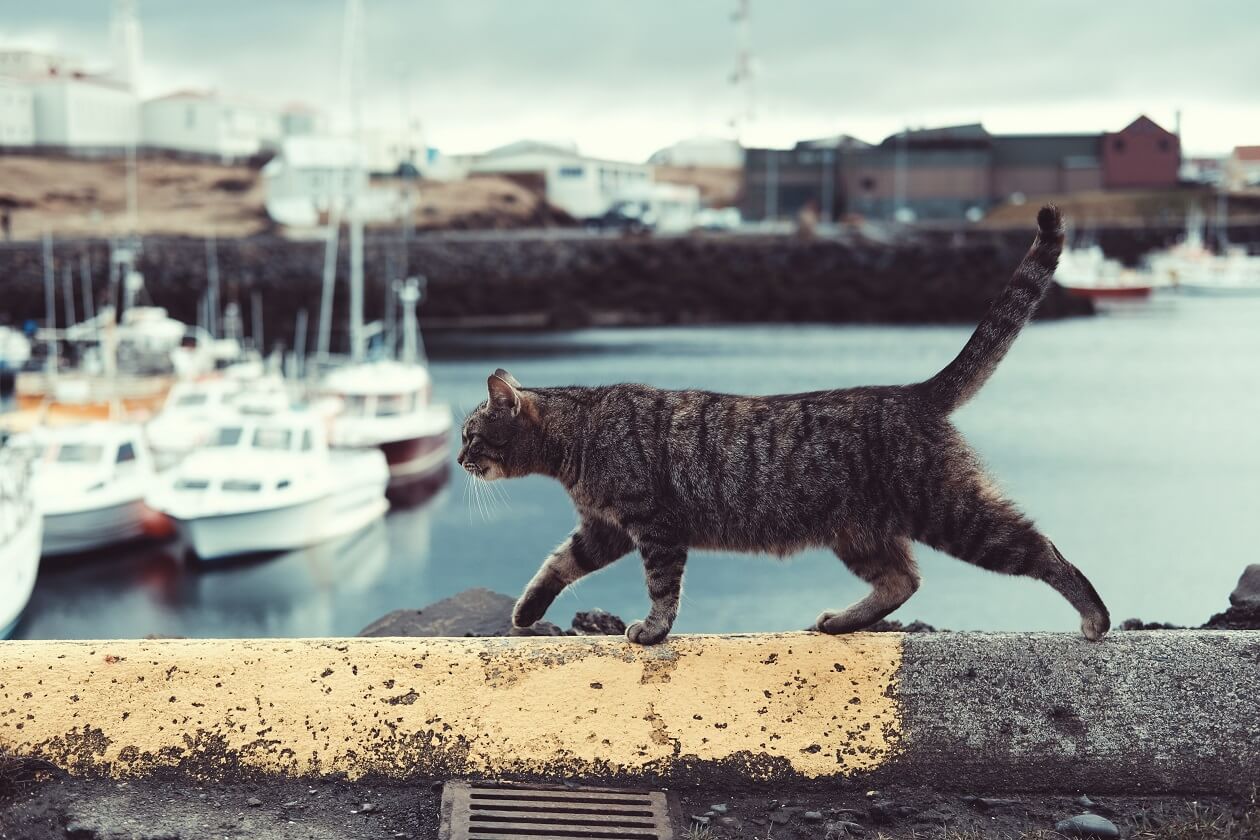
(1132, 438)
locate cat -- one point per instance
(862, 471)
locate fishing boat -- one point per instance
(1087, 272)
(193, 409)
(90, 483)
(20, 532)
(1234, 273)
(268, 483)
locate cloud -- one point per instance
(625, 78)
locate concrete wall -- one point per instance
(1139, 712)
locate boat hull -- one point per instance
(19, 565)
(87, 530)
(416, 459)
(286, 528)
(1113, 293)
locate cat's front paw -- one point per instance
(529, 609)
(642, 633)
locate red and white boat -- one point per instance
(1086, 272)
(386, 405)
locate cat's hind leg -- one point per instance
(593, 545)
(889, 567)
(973, 523)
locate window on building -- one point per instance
(126, 453)
(572, 171)
(868, 183)
(1164, 145)
(1118, 144)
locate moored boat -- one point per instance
(21, 528)
(90, 483)
(268, 483)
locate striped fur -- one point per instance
(863, 471)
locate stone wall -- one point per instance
(571, 281)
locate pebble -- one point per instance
(1084, 801)
(367, 808)
(718, 809)
(843, 828)
(813, 816)
(1088, 825)
(986, 802)
(882, 811)
(296, 803)
(253, 802)
(729, 822)
(699, 820)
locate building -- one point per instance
(17, 113)
(717, 152)
(582, 186)
(1243, 168)
(1140, 156)
(953, 172)
(84, 113)
(206, 123)
(311, 177)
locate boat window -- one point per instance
(79, 453)
(233, 486)
(227, 436)
(283, 483)
(191, 484)
(126, 453)
(389, 405)
(356, 405)
(192, 400)
(308, 442)
(273, 439)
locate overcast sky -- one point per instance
(626, 77)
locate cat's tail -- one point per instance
(962, 378)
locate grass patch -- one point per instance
(18, 773)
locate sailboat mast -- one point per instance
(352, 68)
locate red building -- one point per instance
(1140, 156)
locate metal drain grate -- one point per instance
(478, 811)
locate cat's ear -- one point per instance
(503, 391)
(508, 378)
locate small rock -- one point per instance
(934, 816)
(812, 816)
(904, 811)
(367, 808)
(780, 817)
(699, 820)
(843, 828)
(1247, 592)
(296, 803)
(1087, 825)
(718, 809)
(597, 622)
(985, 803)
(1084, 801)
(729, 822)
(253, 802)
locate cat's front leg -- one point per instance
(663, 565)
(592, 546)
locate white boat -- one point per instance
(20, 529)
(90, 483)
(193, 410)
(1234, 273)
(269, 482)
(386, 405)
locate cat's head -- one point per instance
(499, 438)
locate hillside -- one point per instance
(74, 197)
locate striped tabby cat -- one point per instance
(862, 471)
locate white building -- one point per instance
(312, 176)
(206, 123)
(717, 152)
(582, 186)
(24, 64)
(17, 113)
(83, 112)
